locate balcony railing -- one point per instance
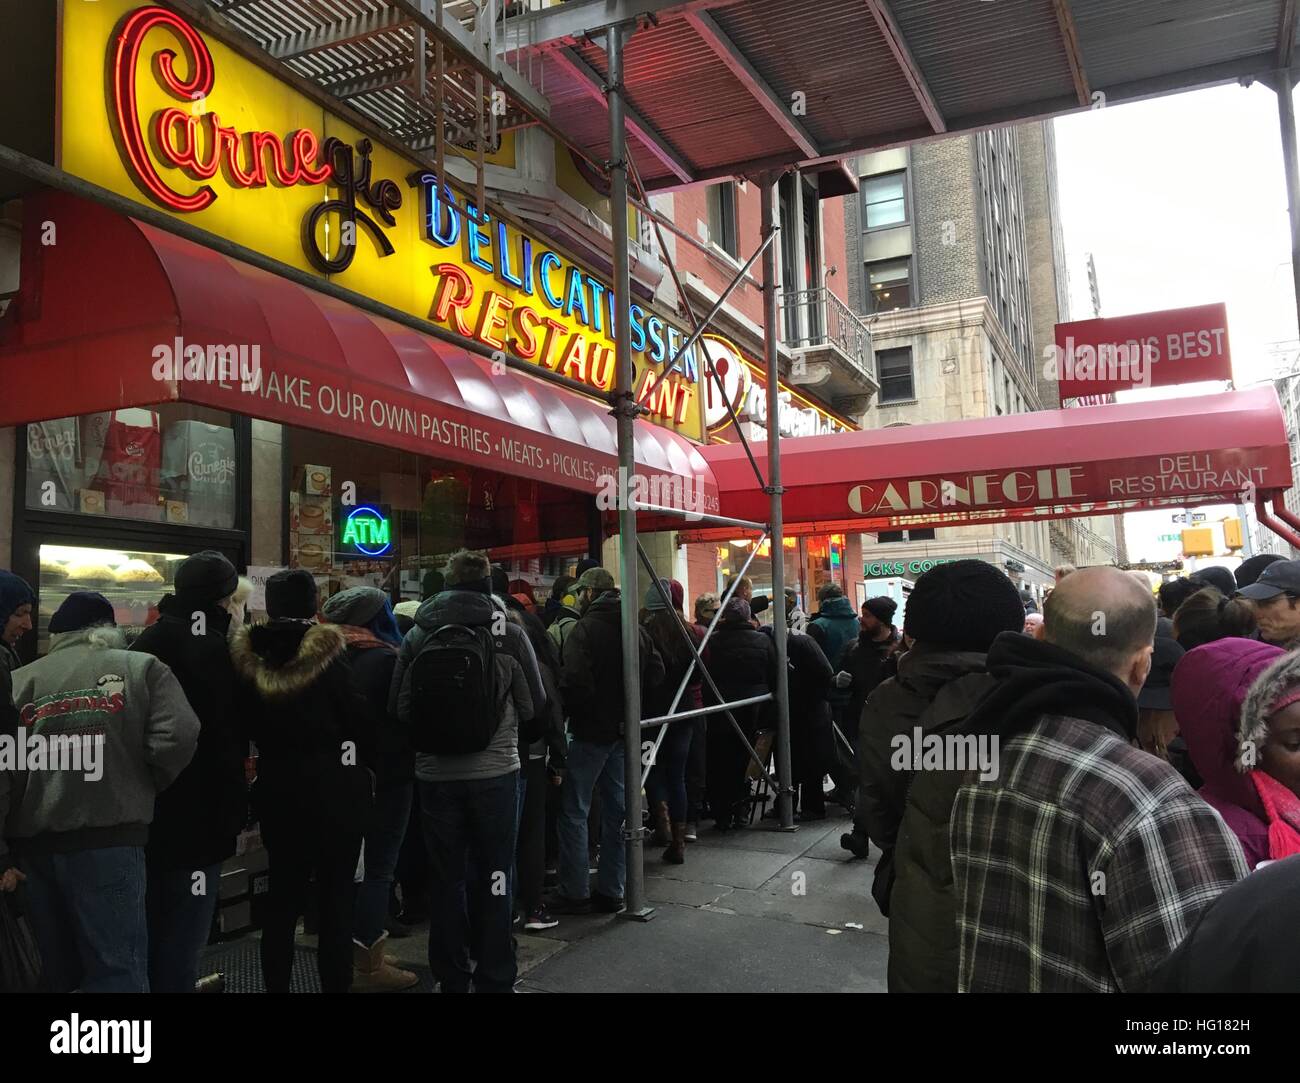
(819, 318)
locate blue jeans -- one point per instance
(385, 829)
(667, 778)
(587, 766)
(87, 910)
(179, 906)
(471, 823)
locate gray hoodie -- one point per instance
(127, 703)
(518, 678)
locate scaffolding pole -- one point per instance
(1283, 85)
(785, 794)
(625, 412)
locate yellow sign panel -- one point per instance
(162, 114)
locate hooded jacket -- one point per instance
(592, 670)
(315, 743)
(869, 662)
(199, 816)
(373, 661)
(519, 681)
(1085, 861)
(89, 686)
(564, 621)
(906, 813)
(1209, 687)
(835, 625)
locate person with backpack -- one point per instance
(314, 787)
(466, 678)
(365, 617)
(564, 618)
(592, 685)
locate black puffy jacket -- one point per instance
(372, 661)
(315, 741)
(742, 662)
(197, 818)
(592, 680)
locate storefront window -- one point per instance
(175, 464)
(810, 563)
(364, 514)
(132, 581)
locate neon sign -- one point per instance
(367, 530)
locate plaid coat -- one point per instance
(1082, 866)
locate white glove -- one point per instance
(843, 679)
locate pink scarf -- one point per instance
(1283, 810)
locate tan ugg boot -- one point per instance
(372, 973)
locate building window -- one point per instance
(889, 285)
(885, 199)
(722, 217)
(895, 366)
(924, 534)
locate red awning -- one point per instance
(102, 309)
(1049, 464)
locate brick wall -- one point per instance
(945, 189)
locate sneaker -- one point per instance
(562, 904)
(605, 904)
(540, 919)
(692, 833)
(516, 919)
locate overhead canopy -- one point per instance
(101, 314)
(1049, 464)
(720, 88)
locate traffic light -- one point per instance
(1198, 542)
(1232, 533)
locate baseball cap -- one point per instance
(1165, 653)
(594, 579)
(1280, 577)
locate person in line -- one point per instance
(565, 618)
(592, 686)
(1208, 615)
(315, 787)
(1249, 570)
(78, 833)
(469, 801)
(1244, 942)
(561, 589)
(1085, 861)
(834, 626)
(197, 819)
(1172, 594)
(1228, 695)
(867, 661)
(953, 615)
(1274, 595)
(404, 615)
(1158, 731)
(365, 617)
(542, 751)
(705, 609)
(1033, 626)
(16, 601)
(1061, 571)
(742, 662)
(812, 751)
(666, 782)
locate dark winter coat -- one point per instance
(742, 662)
(869, 663)
(198, 817)
(936, 690)
(592, 680)
(660, 698)
(835, 625)
(372, 661)
(315, 743)
(809, 681)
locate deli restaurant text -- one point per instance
(380, 219)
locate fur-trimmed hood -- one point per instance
(283, 658)
(1252, 730)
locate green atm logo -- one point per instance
(367, 530)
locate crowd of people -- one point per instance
(438, 760)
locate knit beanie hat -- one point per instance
(81, 609)
(356, 605)
(205, 578)
(654, 600)
(963, 606)
(737, 611)
(14, 592)
(585, 564)
(1217, 576)
(291, 594)
(882, 608)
